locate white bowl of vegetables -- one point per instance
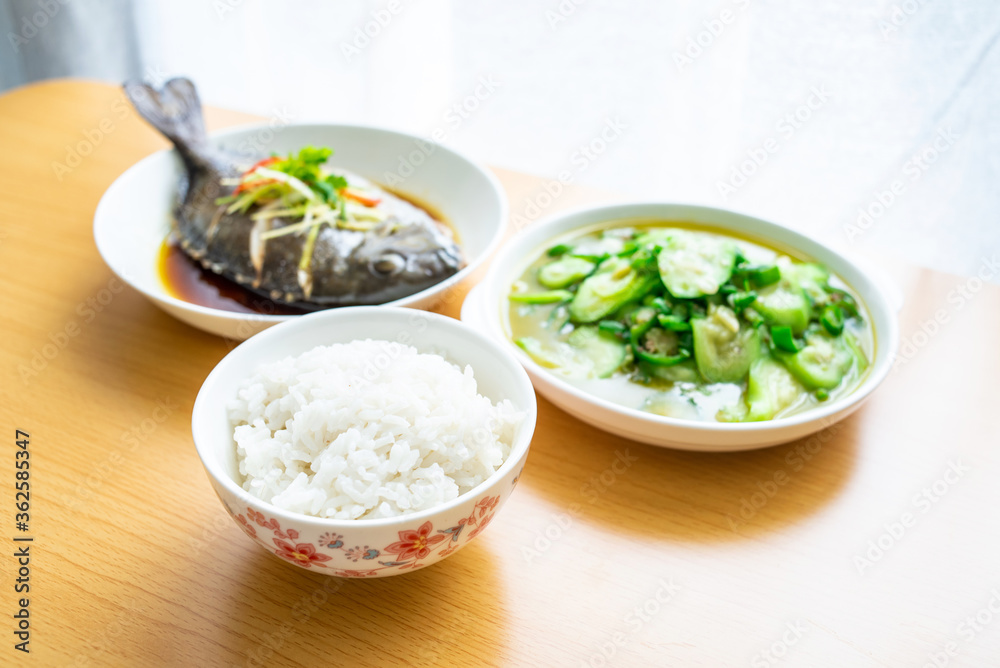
(687, 326)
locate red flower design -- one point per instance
(288, 534)
(406, 553)
(301, 554)
(347, 573)
(415, 543)
(256, 517)
(246, 526)
(487, 504)
(483, 523)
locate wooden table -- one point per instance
(873, 544)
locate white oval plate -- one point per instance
(133, 216)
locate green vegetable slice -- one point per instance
(612, 327)
(565, 271)
(683, 372)
(695, 265)
(764, 276)
(784, 339)
(741, 300)
(844, 301)
(559, 249)
(657, 236)
(784, 303)
(538, 352)
(812, 278)
(832, 319)
(614, 284)
(723, 349)
(770, 389)
(550, 297)
(671, 404)
(673, 323)
(588, 353)
(822, 363)
(606, 352)
(602, 247)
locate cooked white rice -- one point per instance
(366, 429)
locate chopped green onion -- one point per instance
(764, 276)
(643, 260)
(783, 339)
(559, 249)
(821, 394)
(661, 304)
(673, 323)
(845, 301)
(612, 327)
(741, 300)
(662, 360)
(833, 320)
(752, 317)
(550, 297)
(629, 248)
(635, 339)
(593, 258)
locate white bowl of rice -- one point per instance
(365, 441)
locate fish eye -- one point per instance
(390, 263)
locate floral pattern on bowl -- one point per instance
(411, 550)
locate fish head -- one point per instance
(395, 260)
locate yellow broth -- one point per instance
(691, 398)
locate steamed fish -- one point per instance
(288, 227)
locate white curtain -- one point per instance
(59, 38)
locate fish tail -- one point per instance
(174, 110)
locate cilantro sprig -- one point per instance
(306, 167)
